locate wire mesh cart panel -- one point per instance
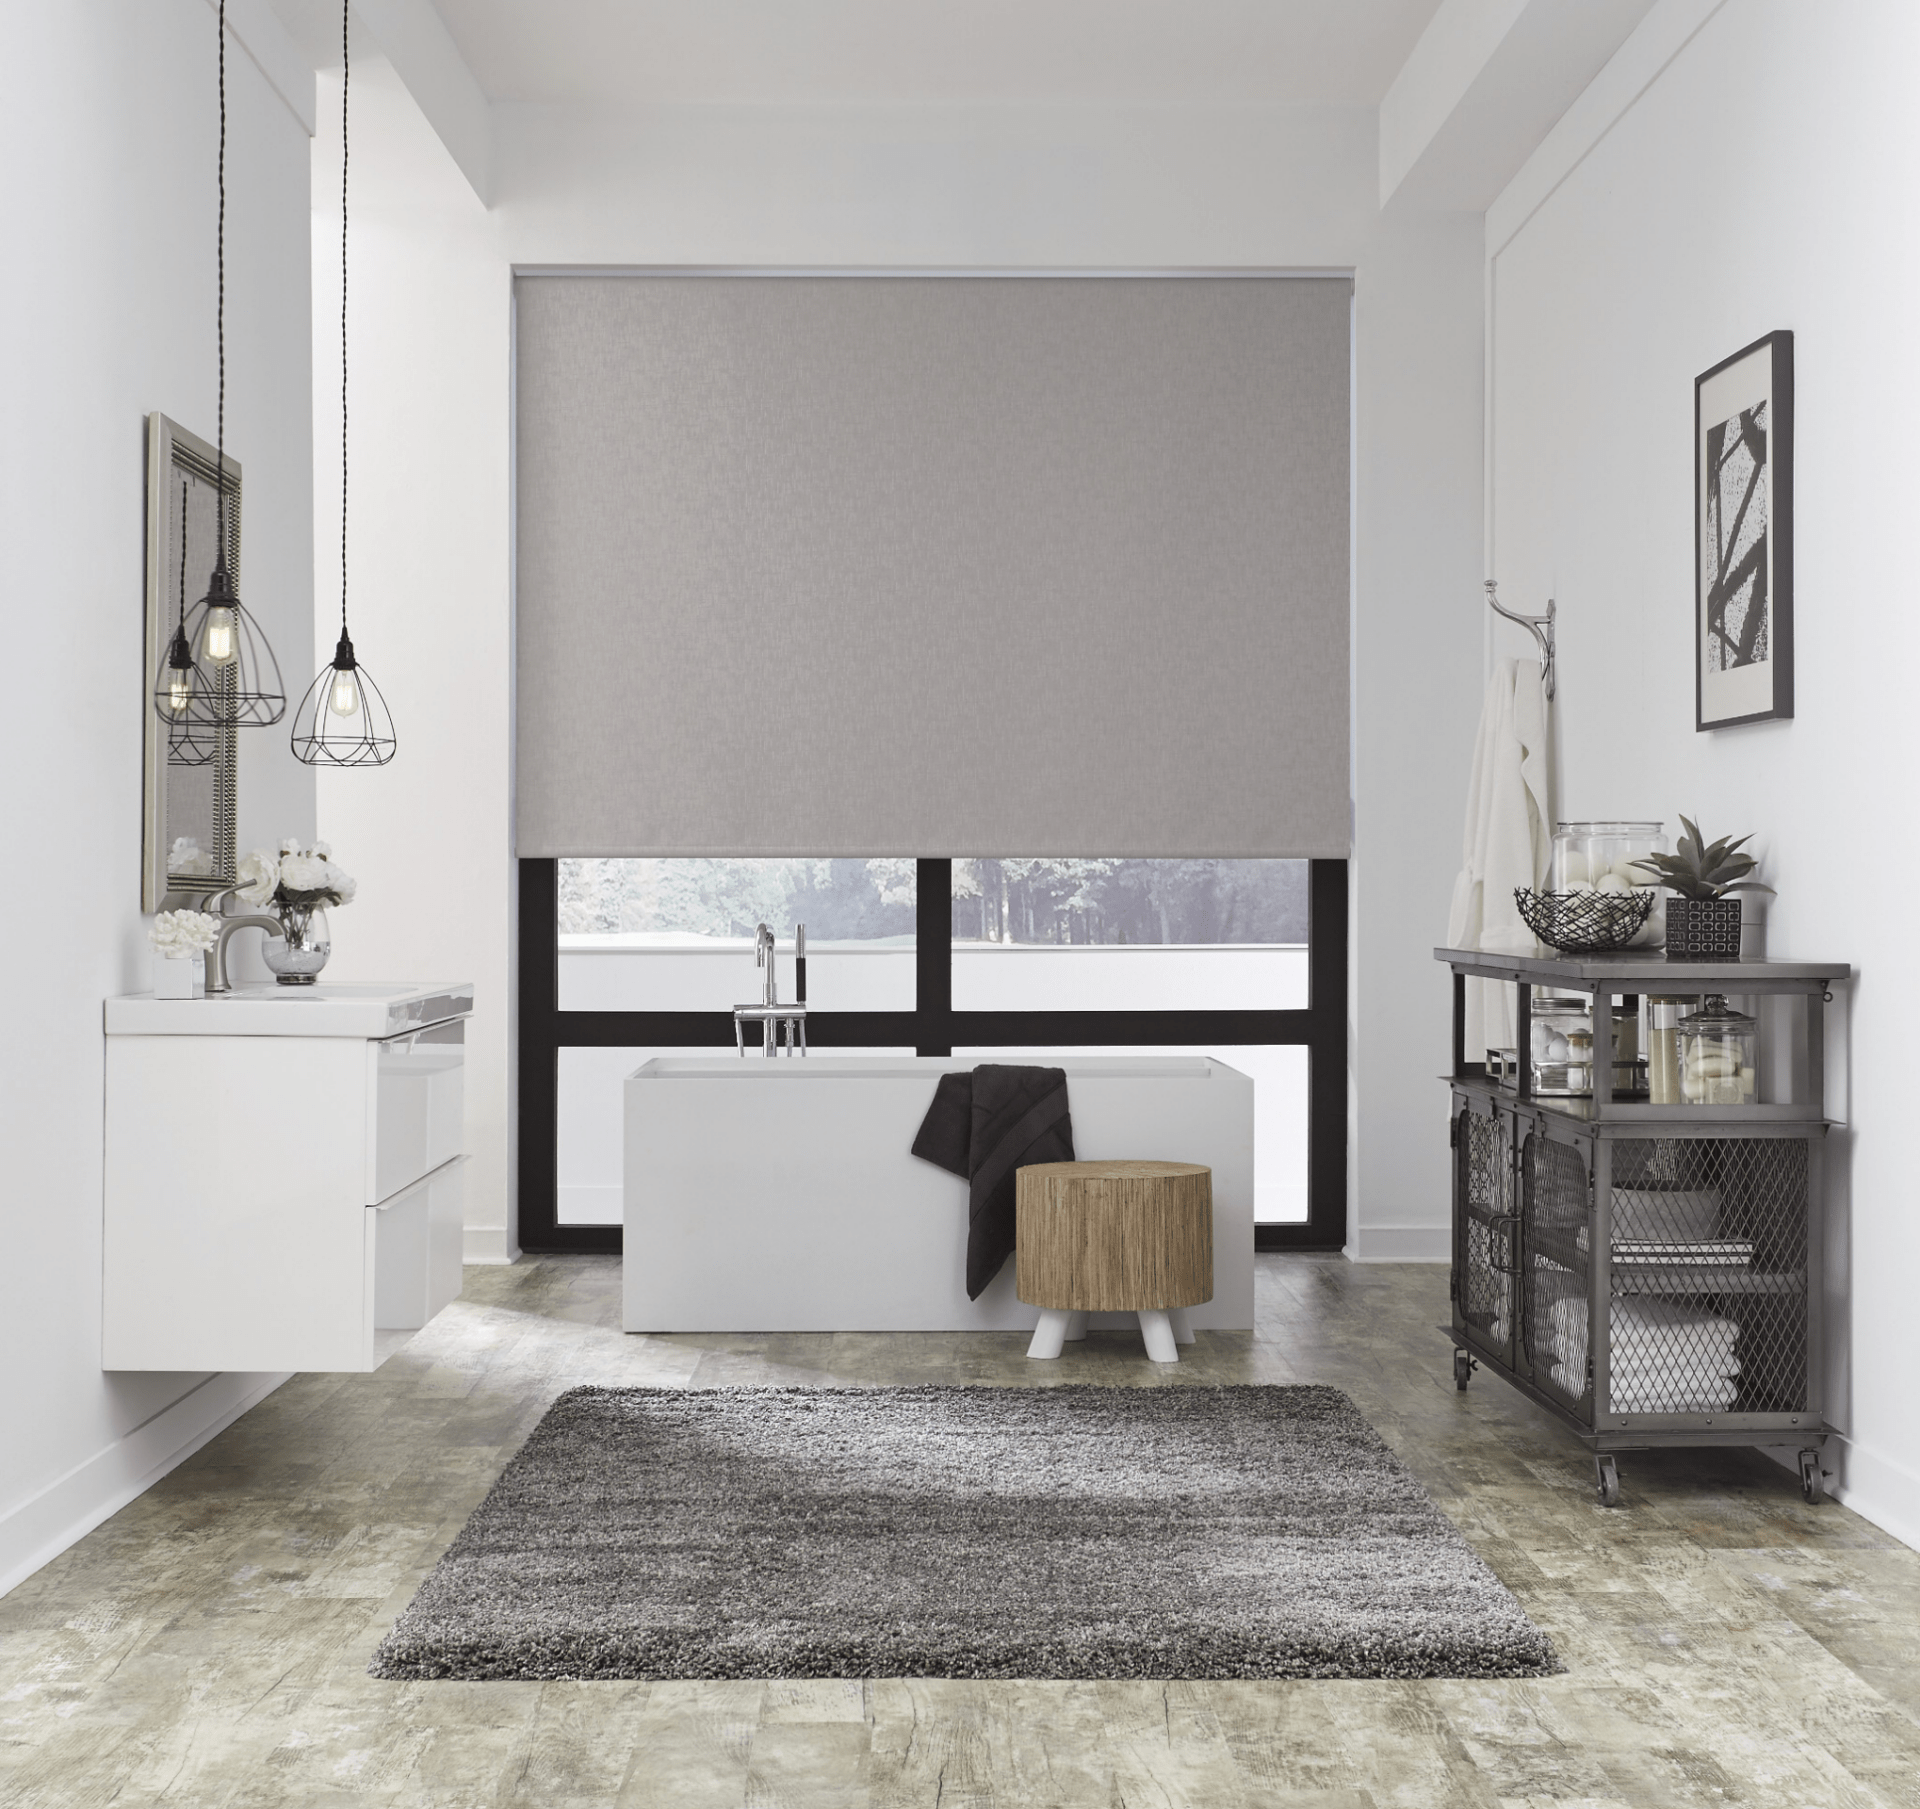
(1649, 1274)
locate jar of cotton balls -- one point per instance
(1562, 1047)
(1599, 857)
(1562, 1050)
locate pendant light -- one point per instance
(343, 719)
(218, 668)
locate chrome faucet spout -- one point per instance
(763, 956)
(217, 955)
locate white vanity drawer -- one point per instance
(418, 1237)
(416, 1105)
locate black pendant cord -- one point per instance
(346, 76)
(220, 310)
(180, 627)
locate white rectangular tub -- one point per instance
(771, 1196)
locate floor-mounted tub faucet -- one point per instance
(770, 1014)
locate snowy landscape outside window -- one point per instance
(686, 902)
(1069, 903)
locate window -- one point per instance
(1000, 957)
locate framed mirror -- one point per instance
(191, 787)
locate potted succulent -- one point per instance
(1703, 920)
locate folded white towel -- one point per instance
(1679, 1395)
(1648, 1212)
(1649, 1321)
(1633, 1368)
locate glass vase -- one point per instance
(300, 951)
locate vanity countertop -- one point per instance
(374, 1009)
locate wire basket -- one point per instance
(1584, 923)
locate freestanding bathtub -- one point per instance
(773, 1196)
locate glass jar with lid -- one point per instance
(1562, 1048)
(1600, 857)
(1718, 1046)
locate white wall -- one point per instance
(1763, 180)
(1417, 685)
(993, 187)
(108, 124)
(427, 836)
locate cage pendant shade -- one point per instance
(190, 742)
(234, 678)
(343, 719)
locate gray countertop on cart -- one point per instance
(1642, 971)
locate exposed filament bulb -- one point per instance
(343, 696)
(220, 644)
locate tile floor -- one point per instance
(207, 1646)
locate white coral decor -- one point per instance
(179, 934)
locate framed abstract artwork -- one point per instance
(1743, 536)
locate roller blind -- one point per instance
(965, 565)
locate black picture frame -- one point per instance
(1743, 568)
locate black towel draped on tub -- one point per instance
(981, 1127)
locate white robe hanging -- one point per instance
(1509, 842)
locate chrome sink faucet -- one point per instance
(216, 957)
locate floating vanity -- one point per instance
(769, 1196)
(283, 1174)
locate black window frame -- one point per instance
(933, 1027)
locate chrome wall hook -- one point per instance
(1540, 627)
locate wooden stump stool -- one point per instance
(1105, 1237)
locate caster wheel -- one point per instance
(1812, 1484)
(1462, 1369)
(1606, 1481)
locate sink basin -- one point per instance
(348, 1008)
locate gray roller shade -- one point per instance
(894, 565)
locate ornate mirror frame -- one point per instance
(199, 798)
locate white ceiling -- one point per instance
(769, 52)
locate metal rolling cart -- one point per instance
(1650, 1274)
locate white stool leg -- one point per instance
(1050, 1333)
(1076, 1327)
(1158, 1333)
(1182, 1331)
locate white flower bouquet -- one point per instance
(188, 858)
(299, 877)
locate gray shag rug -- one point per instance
(1068, 1532)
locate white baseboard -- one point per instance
(39, 1530)
(488, 1244)
(1401, 1244)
